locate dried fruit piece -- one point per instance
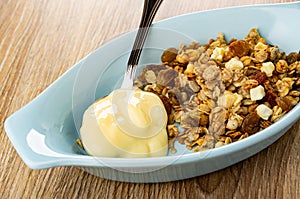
(169, 55)
(239, 48)
(268, 68)
(260, 77)
(251, 123)
(263, 111)
(257, 93)
(260, 46)
(218, 54)
(229, 100)
(284, 103)
(234, 64)
(271, 98)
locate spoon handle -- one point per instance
(149, 11)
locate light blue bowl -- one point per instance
(44, 131)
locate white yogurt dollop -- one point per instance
(126, 123)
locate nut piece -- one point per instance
(257, 93)
(263, 111)
(234, 64)
(268, 68)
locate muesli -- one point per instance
(220, 92)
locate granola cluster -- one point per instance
(223, 92)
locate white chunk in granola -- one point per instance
(223, 92)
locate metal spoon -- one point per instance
(149, 11)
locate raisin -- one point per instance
(169, 55)
(260, 77)
(239, 48)
(271, 98)
(251, 123)
(284, 103)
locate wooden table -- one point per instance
(41, 39)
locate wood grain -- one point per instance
(41, 39)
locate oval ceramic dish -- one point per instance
(44, 131)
